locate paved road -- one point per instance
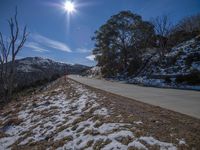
(183, 101)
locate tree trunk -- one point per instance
(125, 59)
(11, 78)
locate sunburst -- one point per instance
(69, 6)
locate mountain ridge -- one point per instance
(33, 71)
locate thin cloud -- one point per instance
(90, 57)
(50, 43)
(83, 50)
(35, 47)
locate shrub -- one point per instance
(192, 58)
(192, 79)
(168, 79)
(178, 37)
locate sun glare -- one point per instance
(69, 6)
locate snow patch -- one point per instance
(102, 111)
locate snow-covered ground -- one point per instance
(71, 118)
(182, 60)
(145, 81)
(94, 72)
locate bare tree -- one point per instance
(163, 27)
(4, 53)
(9, 50)
(189, 24)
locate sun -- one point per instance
(69, 6)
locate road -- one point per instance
(182, 101)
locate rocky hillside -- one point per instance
(93, 72)
(180, 68)
(34, 70)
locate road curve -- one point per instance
(183, 101)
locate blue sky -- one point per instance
(54, 35)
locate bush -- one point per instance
(134, 65)
(168, 79)
(192, 79)
(178, 37)
(192, 58)
(172, 60)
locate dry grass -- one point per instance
(163, 124)
(133, 148)
(13, 121)
(160, 123)
(91, 132)
(89, 144)
(125, 140)
(99, 144)
(98, 124)
(2, 134)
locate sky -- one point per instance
(64, 37)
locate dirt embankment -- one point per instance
(70, 115)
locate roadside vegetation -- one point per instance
(126, 43)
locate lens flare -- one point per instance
(69, 6)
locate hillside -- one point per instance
(70, 115)
(32, 71)
(179, 68)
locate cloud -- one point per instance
(50, 43)
(83, 50)
(35, 47)
(90, 57)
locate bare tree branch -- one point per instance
(10, 48)
(163, 28)
(162, 25)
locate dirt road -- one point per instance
(183, 101)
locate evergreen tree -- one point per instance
(119, 43)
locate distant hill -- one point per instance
(32, 71)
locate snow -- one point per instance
(94, 72)
(102, 111)
(27, 64)
(106, 127)
(114, 145)
(122, 133)
(182, 142)
(196, 65)
(137, 144)
(7, 141)
(65, 112)
(138, 122)
(148, 82)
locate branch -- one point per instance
(16, 25)
(11, 25)
(2, 48)
(24, 37)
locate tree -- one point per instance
(119, 41)
(186, 29)
(9, 50)
(189, 24)
(162, 27)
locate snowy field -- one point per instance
(71, 116)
